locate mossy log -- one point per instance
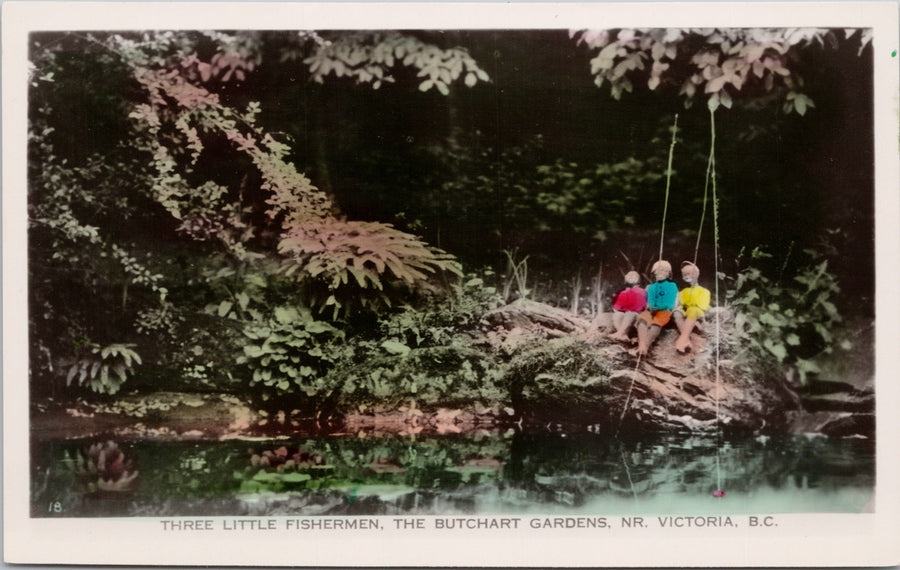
(523, 313)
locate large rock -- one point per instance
(665, 390)
(696, 392)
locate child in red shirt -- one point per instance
(627, 304)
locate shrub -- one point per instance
(290, 352)
(788, 323)
(438, 319)
(448, 375)
(352, 266)
(104, 369)
(425, 352)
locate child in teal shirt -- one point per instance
(661, 297)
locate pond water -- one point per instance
(516, 473)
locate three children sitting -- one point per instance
(660, 303)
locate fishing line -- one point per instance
(627, 472)
(628, 397)
(712, 122)
(662, 235)
(709, 168)
(662, 232)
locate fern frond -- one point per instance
(359, 260)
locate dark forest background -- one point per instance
(534, 163)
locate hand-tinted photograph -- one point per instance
(587, 272)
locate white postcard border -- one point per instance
(808, 540)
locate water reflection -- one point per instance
(518, 473)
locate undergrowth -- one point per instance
(557, 378)
(786, 325)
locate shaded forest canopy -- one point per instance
(154, 159)
(387, 154)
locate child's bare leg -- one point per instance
(646, 337)
(685, 326)
(627, 321)
(623, 322)
(652, 334)
(617, 322)
(642, 330)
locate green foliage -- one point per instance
(447, 375)
(345, 265)
(595, 199)
(719, 62)
(291, 351)
(425, 353)
(366, 466)
(86, 279)
(562, 374)
(370, 58)
(788, 323)
(246, 288)
(441, 320)
(191, 206)
(193, 224)
(284, 469)
(353, 265)
(515, 197)
(104, 369)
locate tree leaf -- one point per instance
(715, 85)
(120, 372)
(253, 351)
(725, 99)
(317, 327)
(777, 349)
(286, 315)
(394, 347)
(224, 308)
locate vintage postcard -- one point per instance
(450, 284)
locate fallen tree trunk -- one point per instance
(523, 313)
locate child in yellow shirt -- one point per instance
(693, 302)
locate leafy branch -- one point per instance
(371, 58)
(720, 63)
